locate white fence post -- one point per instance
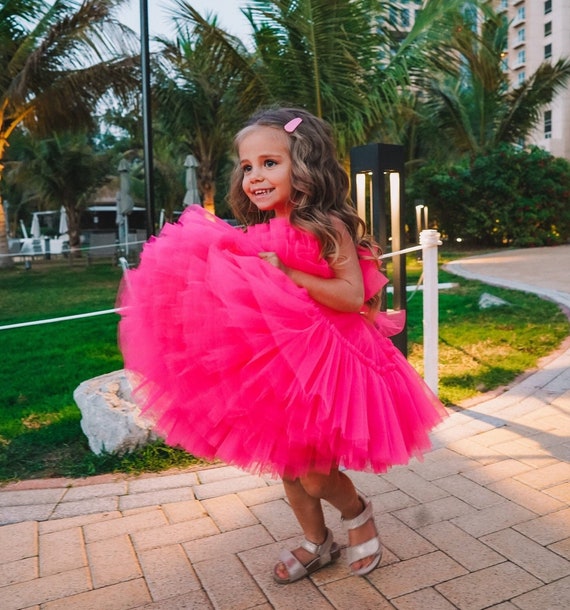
(429, 240)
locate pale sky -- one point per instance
(228, 12)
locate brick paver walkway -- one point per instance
(483, 522)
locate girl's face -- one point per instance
(266, 164)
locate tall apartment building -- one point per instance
(540, 31)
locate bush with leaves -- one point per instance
(507, 197)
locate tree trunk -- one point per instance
(5, 260)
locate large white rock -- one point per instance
(110, 419)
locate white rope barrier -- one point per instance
(81, 248)
(61, 319)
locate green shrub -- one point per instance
(507, 197)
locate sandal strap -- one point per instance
(319, 549)
(295, 569)
(361, 519)
(370, 548)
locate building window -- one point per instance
(521, 58)
(393, 15)
(521, 35)
(504, 5)
(548, 28)
(521, 14)
(521, 77)
(405, 18)
(548, 7)
(547, 124)
(547, 51)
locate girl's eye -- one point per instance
(246, 168)
(270, 163)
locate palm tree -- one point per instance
(57, 62)
(207, 85)
(63, 170)
(478, 111)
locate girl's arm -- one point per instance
(343, 292)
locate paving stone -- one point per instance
(61, 551)
(529, 555)
(497, 471)
(73, 494)
(124, 595)
(152, 498)
(561, 548)
(173, 534)
(85, 507)
(177, 512)
(422, 600)
(442, 463)
(42, 590)
(402, 540)
(19, 514)
(278, 518)
(548, 529)
(159, 483)
(554, 596)
(493, 519)
(415, 574)
(475, 451)
(220, 584)
(168, 572)
(18, 571)
(414, 485)
(18, 541)
(460, 546)
(536, 501)
(393, 501)
(489, 586)
(549, 476)
(260, 495)
(227, 543)
(124, 525)
(350, 593)
(112, 560)
(229, 512)
(79, 521)
(433, 512)
(469, 491)
(369, 484)
(196, 600)
(496, 436)
(517, 450)
(302, 594)
(31, 497)
(219, 473)
(227, 486)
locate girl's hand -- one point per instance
(273, 259)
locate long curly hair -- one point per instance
(319, 183)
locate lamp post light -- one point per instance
(377, 183)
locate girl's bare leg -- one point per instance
(305, 496)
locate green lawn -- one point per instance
(40, 435)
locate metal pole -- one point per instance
(429, 239)
(147, 120)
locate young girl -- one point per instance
(263, 346)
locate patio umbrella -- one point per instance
(63, 228)
(36, 231)
(124, 200)
(192, 194)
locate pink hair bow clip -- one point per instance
(292, 125)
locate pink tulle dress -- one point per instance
(234, 361)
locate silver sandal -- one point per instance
(326, 553)
(370, 548)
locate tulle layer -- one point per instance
(233, 361)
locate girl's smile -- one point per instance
(266, 164)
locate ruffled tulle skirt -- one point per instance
(233, 361)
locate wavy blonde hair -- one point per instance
(319, 184)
